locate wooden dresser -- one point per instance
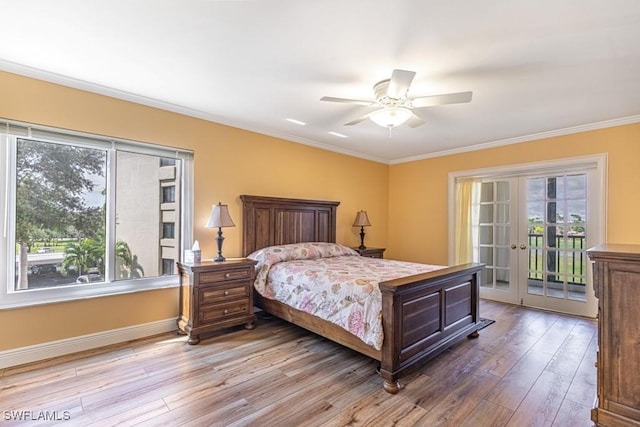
(371, 252)
(215, 295)
(616, 278)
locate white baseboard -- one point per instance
(33, 353)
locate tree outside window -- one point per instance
(59, 191)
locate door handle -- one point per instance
(513, 246)
(523, 246)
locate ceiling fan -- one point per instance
(395, 106)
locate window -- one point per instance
(168, 230)
(85, 216)
(167, 266)
(169, 194)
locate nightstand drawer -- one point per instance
(220, 312)
(373, 255)
(371, 252)
(215, 294)
(221, 276)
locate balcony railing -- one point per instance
(572, 247)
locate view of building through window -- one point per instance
(147, 211)
(62, 200)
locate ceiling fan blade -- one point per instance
(347, 101)
(359, 120)
(415, 121)
(399, 83)
(447, 98)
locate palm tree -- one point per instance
(123, 259)
(83, 255)
(90, 253)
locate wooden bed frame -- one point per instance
(422, 315)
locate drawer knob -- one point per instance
(226, 311)
(226, 293)
(227, 275)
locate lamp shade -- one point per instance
(220, 217)
(390, 116)
(362, 220)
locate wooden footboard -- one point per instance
(422, 315)
(425, 314)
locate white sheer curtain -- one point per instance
(467, 218)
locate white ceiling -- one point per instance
(536, 68)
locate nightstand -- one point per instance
(371, 252)
(215, 295)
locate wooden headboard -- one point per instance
(269, 221)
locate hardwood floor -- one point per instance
(528, 368)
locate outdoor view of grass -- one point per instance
(570, 261)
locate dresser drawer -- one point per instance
(218, 294)
(221, 312)
(221, 276)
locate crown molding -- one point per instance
(526, 138)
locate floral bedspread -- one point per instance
(333, 282)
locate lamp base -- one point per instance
(219, 241)
(362, 246)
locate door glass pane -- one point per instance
(556, 187)
(535, 189)
(554, 286)
(486, 194)
(535, 287)
(502, 278)
(502, 234)
(486, 214)
(487, 278)
(535, 238)
(536, 265)
(503, 191)
(536, 211)
(577, 289)
(576, 187)
(486, 234)
(576, 210)
(486, 255)
(502, 213)
(502, 257)
(553, 261)
(553, 215)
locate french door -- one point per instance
(497, 237)
(533, 233)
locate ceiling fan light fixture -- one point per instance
(390, 117)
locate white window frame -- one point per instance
(9, 133)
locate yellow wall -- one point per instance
(228, 162)
(418, 190)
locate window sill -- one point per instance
(36, 297)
